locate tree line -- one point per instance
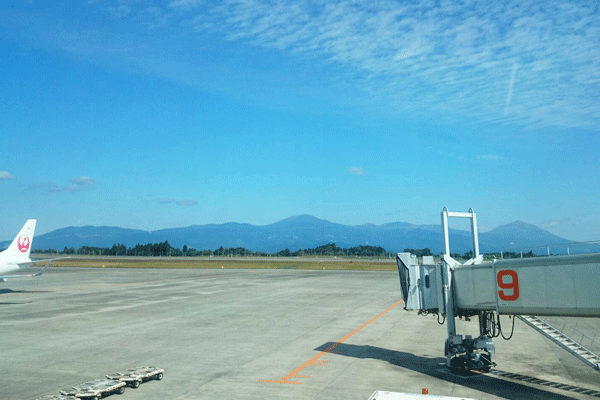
(331, 249)
(164, 249)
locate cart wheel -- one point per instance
(135, 384)
(97, 397)
(159, 377)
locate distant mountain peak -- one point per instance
(303, 221)
(521, 235)
(301, 232)
(518, 224)
(302, 218)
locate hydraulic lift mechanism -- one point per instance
(543, 286)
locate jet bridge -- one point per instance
(545, 286)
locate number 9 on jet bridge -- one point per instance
(544, 286)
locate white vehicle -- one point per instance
(95, 389)
(135, 376)
(16, 256)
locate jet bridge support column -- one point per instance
(449, 308)
(462, 353)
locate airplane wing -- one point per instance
(3, 278)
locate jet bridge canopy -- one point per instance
(545, 286)
(561, 285)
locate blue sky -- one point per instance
(148, 114)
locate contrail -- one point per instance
(510, 87)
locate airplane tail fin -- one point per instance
(20, 247)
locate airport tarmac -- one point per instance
(253, 334)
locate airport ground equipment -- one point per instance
(383, 395)
(95, 389)
(56, 397)
(551, 286)
(133, 377)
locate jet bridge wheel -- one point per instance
(458, 365)
(486, 358)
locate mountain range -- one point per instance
(303, 232)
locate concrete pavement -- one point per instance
(248, 334)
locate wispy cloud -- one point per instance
(425, 57)
(52, 188)
(165, 200)
(559, 222)
(489, 157)
(79, 184)
(511, 83)
(356, 171)
(6, 176)
(185, 4)
(551, 223)
(154, 17)
(449, 59)
(83, 180)
(150, 15)
(179, 202)
(119, 11)
(187, 203)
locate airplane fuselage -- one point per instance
(6, 268)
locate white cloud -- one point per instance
(52, 188)
(558, 222)
(356, 171)
(120, 11)
(185, 4)
(6, 176)
(510, 87)
(179, 202)
(489, 157)
(154, 17)
(79, 184)
(187, 203)
(165, 200)
(83, 180)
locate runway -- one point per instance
(249, 334)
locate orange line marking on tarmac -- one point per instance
(315, 359)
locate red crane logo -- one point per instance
(23, 244)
